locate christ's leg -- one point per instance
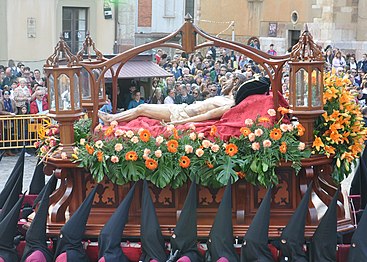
(155, 111)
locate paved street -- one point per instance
(7, 164)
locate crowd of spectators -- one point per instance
(22, 92)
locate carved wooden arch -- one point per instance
(272, 64)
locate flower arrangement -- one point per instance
(174, 156)
(49, 139)
(340, 131)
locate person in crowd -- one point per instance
(7, 107)
(184, 97)
(8, 78)
(329, 56)
(362, 64)
(128, 96)
(352, 65)
(271, 50)
(15, 71)
(22, 95)
(39, 106)
(338, 60)
(196, 94)
(38, 79)
(157, 97)
(170, 98)
(136, 100)
(158, 56)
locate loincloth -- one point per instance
(178, 112)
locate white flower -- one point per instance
(158, 153)
(215, 148)
(267, 143)
(284, 127)
(135, 139)
(118, 147)
(301, 146)
(129, 134)
(170, 127)
(249, 122)
(82, 141)
(251, 137)
(199, 152)
(192, 126)
(201, 135)
(258, 132)
(119, 133)
(192, 136)
(272, 112)
(159, 140)
(147, 151)
(114, 159)
(189, 149)
(206, 143)
(114, 123)
(140, 130)
(99, 144)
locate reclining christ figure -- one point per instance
(211, 108)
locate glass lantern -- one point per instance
(62, 70)
(306, 84)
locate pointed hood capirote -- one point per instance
(13, 197)
(358, 246)
(184, 238)
(324, 240)
(38, 179)
(17, 173)
(50, 186)
(255, 242)
(292, 238)
(8, 230)
(152, 242)
(220, 243)
(71, 234)
(109, 240)
(36, 238)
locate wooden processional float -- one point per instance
(76, 183)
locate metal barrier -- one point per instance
(21, 130)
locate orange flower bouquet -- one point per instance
(340, 131)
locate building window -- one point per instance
(74, 27)
(169, 8)
(189, 7)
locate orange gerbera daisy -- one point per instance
(184, 162)
(245, 131)
(151, 164)
(131, 156)
(276, 134)
(100, 156)
(108, 131)
(89, 149)
(283, 147)
(231, 149)
(145, 135)
(263, 119)
(301, 130)
(172, 146)
(213, 130)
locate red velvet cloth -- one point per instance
(36, 256)
(63, 257)
(228, 125)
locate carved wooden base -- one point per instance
(76, 183)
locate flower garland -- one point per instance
(176, 155)
(340, 131)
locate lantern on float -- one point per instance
(306, 83)
(62, 71)
(92, 92)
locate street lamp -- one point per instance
(306, 83)
(90, 55)
(62, 71)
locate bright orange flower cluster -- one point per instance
(99, 156)
(131, 156)
(231, 149)
(145, 135)
(276, 134)
(184, 162)
(172, 146)
(283, 147)
(151, 164)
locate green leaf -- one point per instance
(265, 167)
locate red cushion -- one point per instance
(274, 252)
(36, 256)
(20, 248)
(132, 253)
(29, 200)
(62, 257)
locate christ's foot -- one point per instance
(106, 118)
